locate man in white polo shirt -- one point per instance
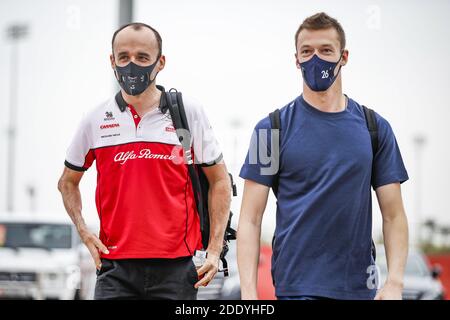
(149, 224)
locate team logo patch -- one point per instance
(108, 116)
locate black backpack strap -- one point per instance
(178, 115)
(275, 120)
(179, 119)
(371, 123)
(275, 123)
(182, 111)
(193, 173)
(372, 126)
(174, 110)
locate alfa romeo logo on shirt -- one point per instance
(123, 157)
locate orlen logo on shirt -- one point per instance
(123, 157)
(109, 126)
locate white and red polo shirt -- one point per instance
(144, 195)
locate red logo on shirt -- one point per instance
(170, 129)
(109, 126)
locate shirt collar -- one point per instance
(162, 102)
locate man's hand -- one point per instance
(94, 246)
(390, 291)
(208, 269)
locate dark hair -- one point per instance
(321, 21)
(138, 26)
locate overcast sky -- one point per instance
(237, 58)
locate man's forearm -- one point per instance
(72, 202)
(248, 245)
(395, 231)
(219, 204)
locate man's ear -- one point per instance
(160, 66)
(113, 63)
(344, 59)
(296, 61)
(162, 63)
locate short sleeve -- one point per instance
(259, 165)
(207, 151)
(388, 166)
(80, 155)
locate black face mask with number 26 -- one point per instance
(135, 79)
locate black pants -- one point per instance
(126, 279)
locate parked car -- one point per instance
(41, 257)
(421, 281)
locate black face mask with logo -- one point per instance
(135, 79)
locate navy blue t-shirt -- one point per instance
(322, 241)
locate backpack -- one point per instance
(371, 123)
(199, 181)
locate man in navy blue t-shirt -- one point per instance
(322, 245)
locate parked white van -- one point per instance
(42, 257)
